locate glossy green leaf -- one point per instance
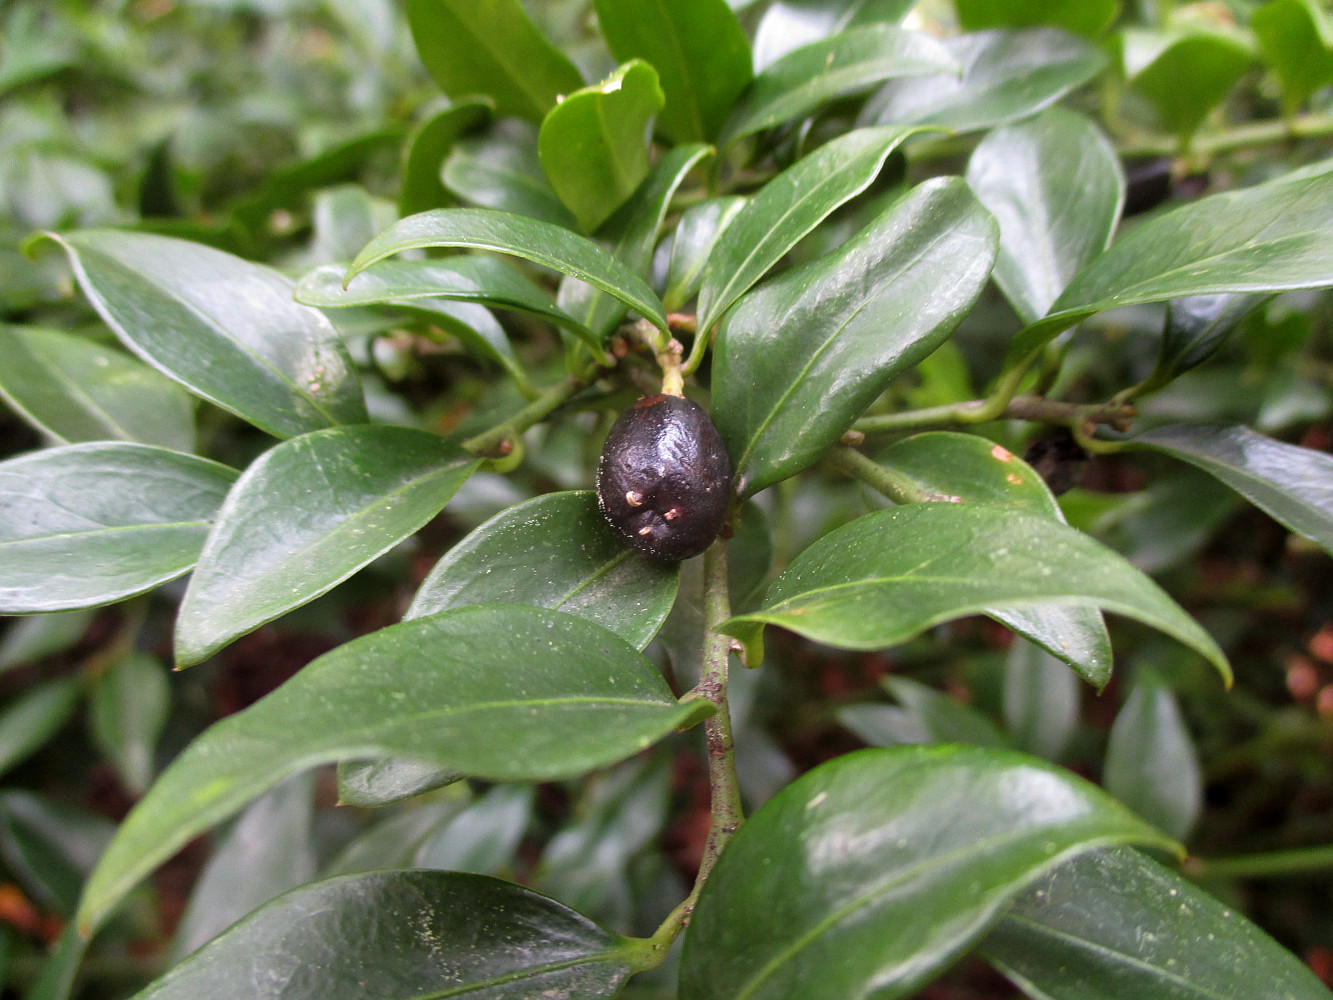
(427, 147)
(344, 218)
(503, 692)
(1040, 701)
(554, 551)
(138, 514)
(1185, 76)
(692, 243)
(1055, 186)
(226, 329)
(1151, 765)
(789, 24)
(922, 715)
(797, 360)
(1113, 924)
(1007, 75)
(375, 783)
(1196, 327)
(500, 170)
(593, 145)
(267, 851)
(73, 390)
(475, 327)
(891, 574)
(128, 709)
(1296, 40)
(490, 48)
(870, 874)
(539, 242)
(30, 721)
(698, 49)
(482, 838)
(631, 235)
(1087, 17)
(1268, 238)
(786, 209)
(455, 935)
(964, 468)
(850, 62)
(304, 517)
(1293, 485)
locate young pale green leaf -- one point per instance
(870, 874)
(128, 708)
(891, 574)
(964, 468)
(539, 242)
(1296, 40)
(426, 150)
(1187, 75)
(74, 390)
(789, 24)
(850, 62)
(30, 721)
(1087, 17)
(1055, 186)
(1268, 238)
(554, 551)
(692, 244)
(500, 170)
(226, 329)
(502, 692)
(1151, 765)
(491, 49)
(1040, 701)
(1293, 485)
(698, 49)
(798, 360)
(1113, 924)
(922, 715)
(631, 235)
(786, 209)
(593, 145)
(91, 524)
(453, 934)
(1007, 75)
(304, 517)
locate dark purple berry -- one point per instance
(664, 481)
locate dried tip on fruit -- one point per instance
(664, 480)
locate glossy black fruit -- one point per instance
(664, 480)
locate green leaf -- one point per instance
(482, 838)
(891, 574)
(304, 517)
(1296, 40)
(1087, 17)
(964, 468)
(797, 360)
(593, 145)
(128, 709)
(789, 24)
(344, 218)
(1293, 485)
(491, 48)
(870, 874)
(786, 209)
(138, 514)
(427, 147)
(500, 170)
(30, 639)
(554, 551)
(502, 692)
(30, 721)
(698, 49)
(1055, 186)
(922, 715)
(374, 783)
(74, 390)
(49, 846)
(539, 242)
(631, 235)
(850, 62)
(1040, 700)
(1112, 924)
(1151, 765)
(1185, 76)
(1196, 327)
(692, 245)
(393, 842)
(1007, 75)
(226, 329)
(1268, 238)
(454, 934)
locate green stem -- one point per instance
(1294, 862)
(538, 410)
(888, 481)
(1247, 136)
(1033, 408)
